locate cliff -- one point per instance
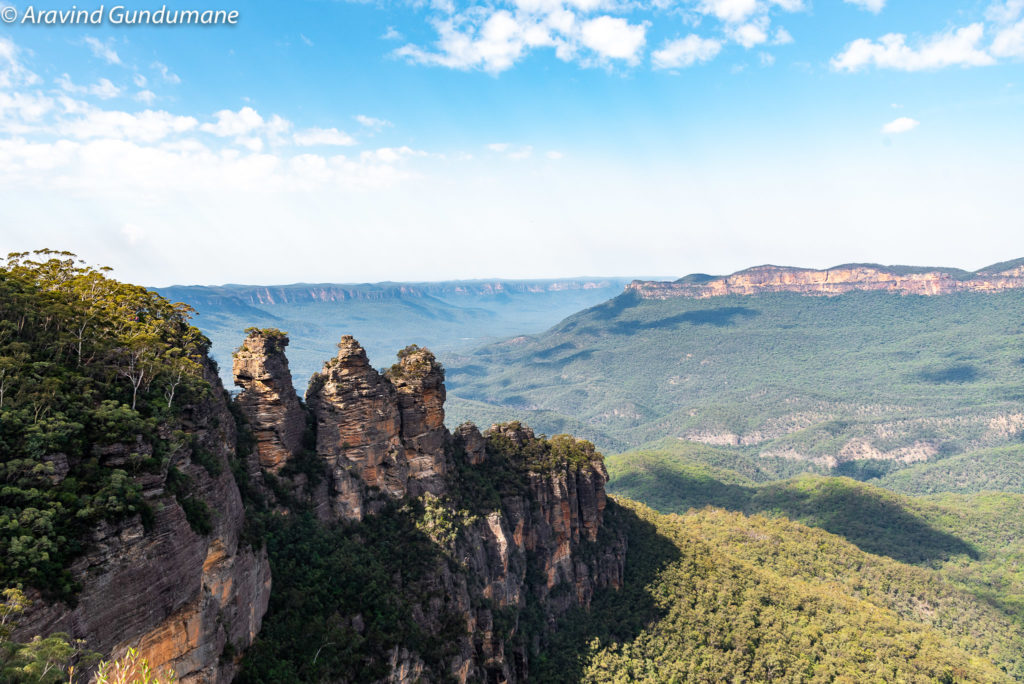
(470, 545)
(184, 588)
(299, 293)
(268, 398)
(512, 524)
(836, 281)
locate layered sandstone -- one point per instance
(834, 281)
(381, 437)
(527, 551)
(358, 432)
(418, 379)
(268, 398)
(179, 596)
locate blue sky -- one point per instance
(346, 141)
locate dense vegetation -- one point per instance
(718, 596)
(972, 542)
(860, 384)
(343, 598)
(443, 316)
(997, 469)
(91, 370)
(345, 595)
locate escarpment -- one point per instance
(515, 521)
(184, 588)
(836, 281)
(475, 543)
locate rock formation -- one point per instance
(382, 438)
(419, 381)
(192, 596)
(835, 281)
(268, 398)
(178, 595)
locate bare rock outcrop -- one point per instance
(382, 436)
(179, 595)
(358, 432)
(268, 398)
(419, 381)
(538, 547)
(835, 281)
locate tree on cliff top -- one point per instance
(86, 363)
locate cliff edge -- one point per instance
(907, 280)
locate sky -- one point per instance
(333, 141)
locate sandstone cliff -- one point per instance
(268, 398)
(380, 440)
(528, 542)
(538, 548)
(837, 280)
(185, 598)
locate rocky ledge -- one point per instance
(836, 281)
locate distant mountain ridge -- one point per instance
(445, 315)
(917, 280)
(298, 293)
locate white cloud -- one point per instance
(147, 126)
(781, 37)
(1009, 42)
(306, 40)
(685, 52)
(1005, 12)
(147, 97)
(166, 73)
(554, 154)
(513, 151)
(234, 124)
(493, 46)
(102, 50)
(323, 136)
(900, 125)
(26, 107)
(139, 80)
(957, 47)
(12, 71)
(494, 40)
(790, 5)
(371, 122)
(733, 11)
(750, 34)
(873, 6)
(389, 155)
(103, 89)
(522, 153)
(767, 59)
(614, 38)
(391, 34)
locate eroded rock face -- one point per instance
(833, 281)
(419, 381)
(468, 439)
(527, 551)
(268, 398)
(358, 431)
(177, 595)
(381, 436)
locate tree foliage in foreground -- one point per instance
(86, 363)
